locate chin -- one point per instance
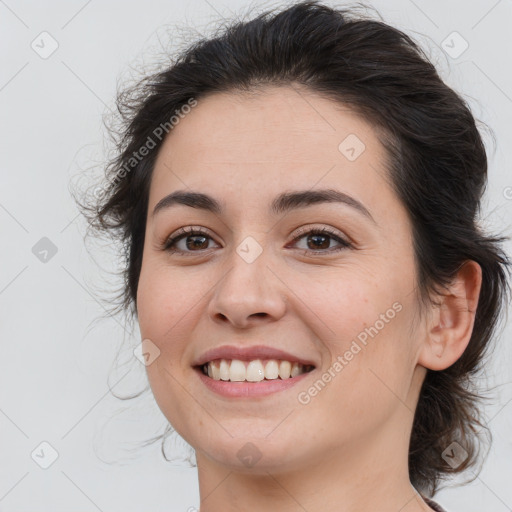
(253, 454)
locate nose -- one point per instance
(249, 293)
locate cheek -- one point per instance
(164, 307)
(349, 301)
(367, 323)
(165, 312)
(367, 382)
(171, 303)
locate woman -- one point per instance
(298, 200)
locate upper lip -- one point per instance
(249, 354)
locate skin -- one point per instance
(347, 449)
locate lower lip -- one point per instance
(249, 389)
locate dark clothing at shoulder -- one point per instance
(434, 505)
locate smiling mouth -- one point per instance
(257, 370)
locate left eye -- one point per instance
(318, 241)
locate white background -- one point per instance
(57, 360)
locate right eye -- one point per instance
(193, 238)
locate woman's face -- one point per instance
(247, 281)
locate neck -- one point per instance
(365, 476)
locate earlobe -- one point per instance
(450, 325)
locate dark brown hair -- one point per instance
(437, 167)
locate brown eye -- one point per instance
(195, 240)
(319, 241)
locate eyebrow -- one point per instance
(283, 203)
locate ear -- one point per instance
(450, 326)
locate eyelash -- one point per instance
(190, 231)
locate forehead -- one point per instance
(266, 141)
(241, 127)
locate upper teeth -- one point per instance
(252, 371)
